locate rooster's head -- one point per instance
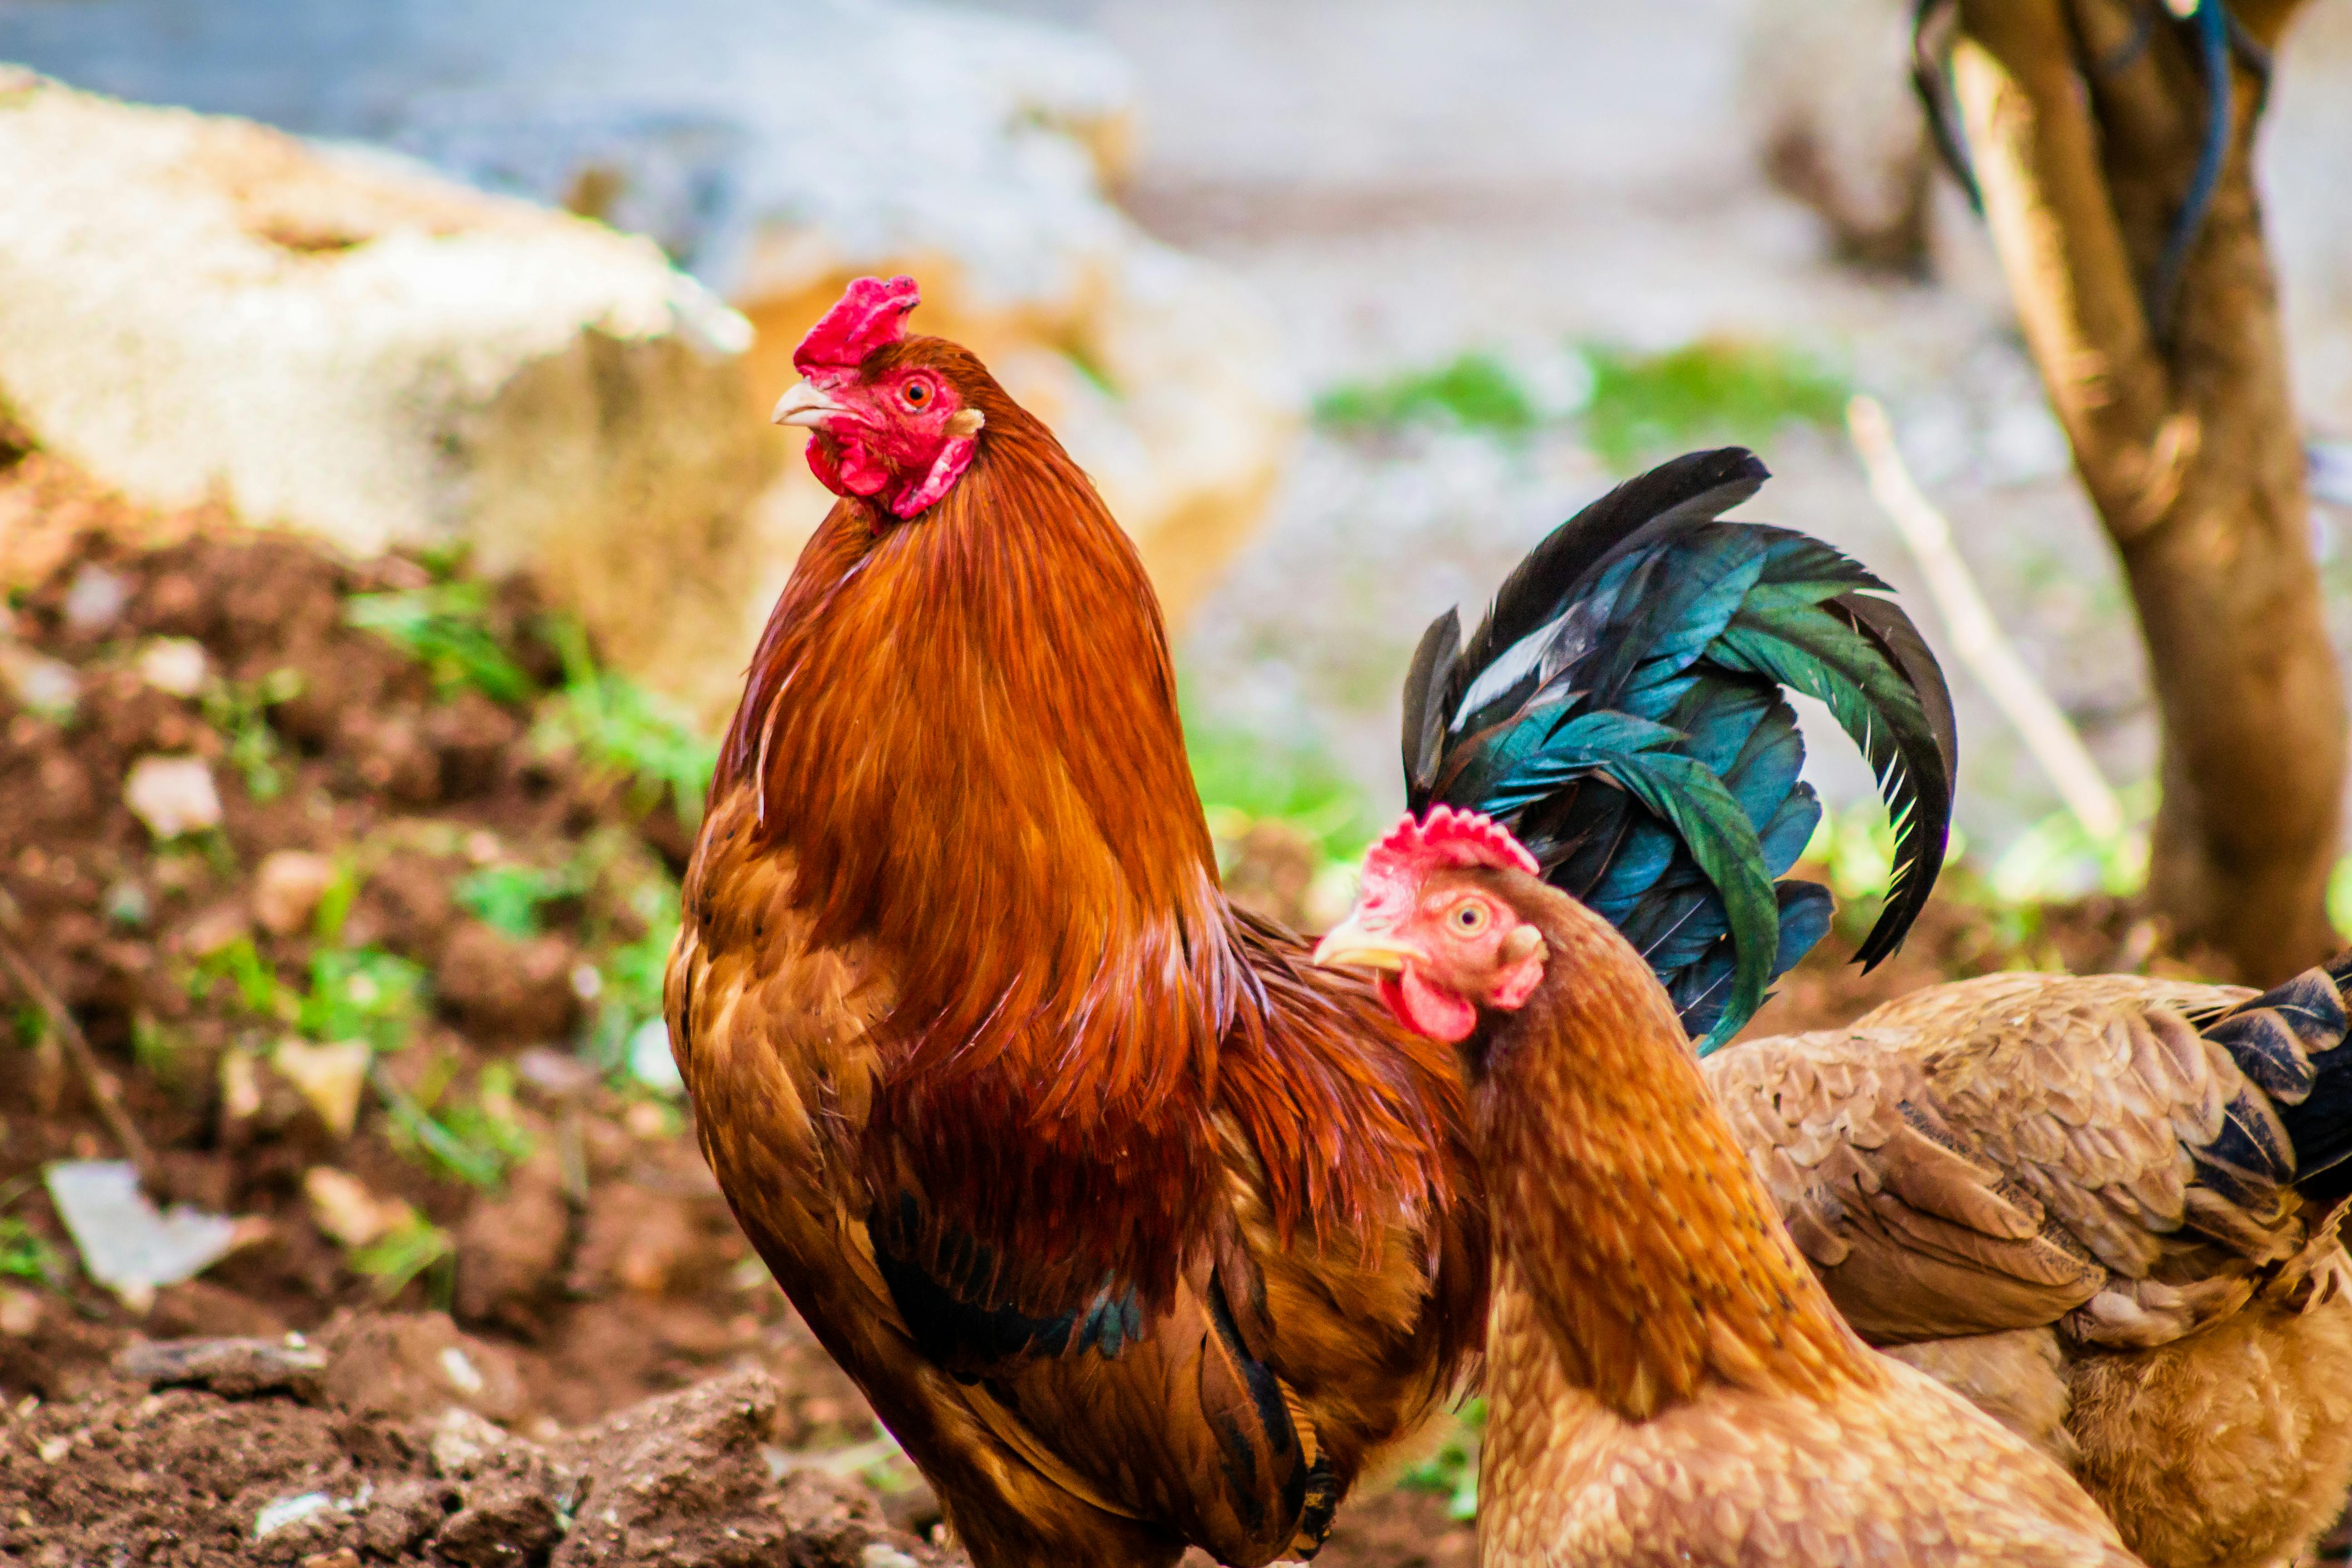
(1435, 919)
(890, 423)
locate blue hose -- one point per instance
(2213, 61)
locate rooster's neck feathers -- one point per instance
(963, 729)
(1656, 1260)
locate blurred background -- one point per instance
(1343, 302)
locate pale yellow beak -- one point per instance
(1350, 946)
(805, 405)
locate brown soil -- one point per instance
(592, 1266)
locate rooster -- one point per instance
(1137, 1229)
(2103, 1207)
(1667, 1381)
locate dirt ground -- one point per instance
(488, 1308)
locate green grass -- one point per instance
(613, 722)
(475, 1140)
(1638, 407)
(1475, 392)
(400, 1255)
(239, 710)
(446, 627)
(1246, 775)
(26, 1254)
(632, 973)
(1644, 406)
(510, 898)
(1453, 1471)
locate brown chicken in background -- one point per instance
(1667, 1382)
(2105, 1208)
(1137, 1229)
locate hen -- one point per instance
(1137, 1229)
(2104, 1208)
(1667, 1381)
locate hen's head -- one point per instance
(891, 424)
(1435, 919)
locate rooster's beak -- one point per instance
(805, 404)
(1350, 946)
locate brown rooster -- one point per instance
(1137, 1229)
(1668, 1382)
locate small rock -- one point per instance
(502, 1526)
(174, 665)
(328, 1077)
(553, 1073)
(125, 1244)
(213, 929)
(651, 1062)
(20, 1312)
(394, 1365)
(232, 1368)
(96, 597)
(347, 1213)
(45, 686)
(402, 1516)
(290, 1511)
(342, 1557)
(173, 795)
(287, 888)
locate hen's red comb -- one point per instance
(870, 314)
(1449, 837)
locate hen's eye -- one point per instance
(917, 394)
(1469, 919)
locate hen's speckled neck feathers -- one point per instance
(1655, 1257)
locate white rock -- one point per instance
(328, 1077)
(287, 887)
(346, 1212)
(173, 795)
(125, 1244)
(193, 307)
(176, 665)
(650, 1061)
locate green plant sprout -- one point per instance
(469, 1140)
(1244, 777)
(1475, 392)
(239, 710)
(1633, 405)
(1453, 1471)
(445, 627)
(613, 722)
(508, 898)
(1715, 390)
(26, 1255)
(403, 1253)
(630, 974)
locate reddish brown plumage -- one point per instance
(963, 737)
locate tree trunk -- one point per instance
(2190, 448)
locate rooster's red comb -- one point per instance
(1447, 838)
(870, 314)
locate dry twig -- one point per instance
(94, 1076)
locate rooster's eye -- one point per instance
(917, 394)
(1470, 919)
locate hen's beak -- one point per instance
(805, 404)
(1351, 945)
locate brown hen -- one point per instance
(1667, 1381)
